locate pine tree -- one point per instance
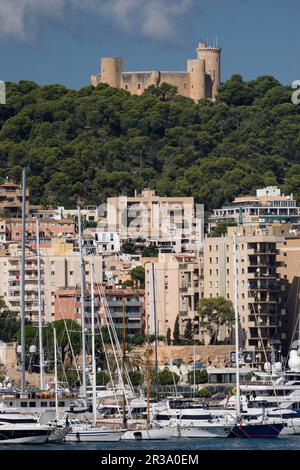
(176, 332)
(168, 338)
(188, 332)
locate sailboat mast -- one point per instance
(148, 384)
(93, 342)
(236, 320)
(22, 281)
(55, 373)
(299, 333)
(155, 331)
(82, 288)
(124, 359)
(41, 351)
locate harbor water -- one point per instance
(280, 443)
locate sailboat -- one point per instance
(174, 429)
(89, 431)
(14, 429)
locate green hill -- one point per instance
(82, 146)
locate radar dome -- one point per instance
(278, 366)
(294, 361)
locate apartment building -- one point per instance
(258, 287)
(288, 255)
(173, 287)
(107, 242)
(48, 228)
(170, 223)
(88, 213)
(68, 306)
(11, 200)
(268, 206)
(59, 269)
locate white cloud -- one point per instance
(156, 19)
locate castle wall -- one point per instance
(200, 80)
(137, 82)
(179, 79)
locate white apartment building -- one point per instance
(107, 242)
(266, 207)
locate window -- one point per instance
(139, 86)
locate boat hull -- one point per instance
(256, 430)
(10, 436)
(178, 433)
(94, 436)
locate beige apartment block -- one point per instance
(58, 270)
(173, 286)
(258, 289)
(289, 273)
(11, 199)
(201, 79)
(168, 221)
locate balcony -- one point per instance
(119, 303)
(128, 315)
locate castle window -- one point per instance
(185, 86)
(139, 86)
(126, 87)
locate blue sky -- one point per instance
(61, 41)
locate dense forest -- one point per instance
(81, 146)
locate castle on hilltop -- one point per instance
(200, 80)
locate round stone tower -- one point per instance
(211, 55)
(111, 71)
(196, 70)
